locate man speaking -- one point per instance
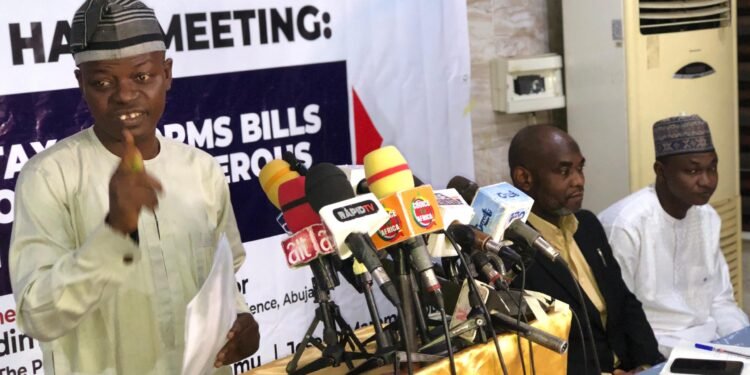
(115, 227)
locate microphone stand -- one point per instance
(473, 291)
(384, 342)
(475, 323)
(386, 352)
(407, 299)
(451, 269)
(334, 343)
(532, 334)
(419, 307)
(406, 252)
(406, 324)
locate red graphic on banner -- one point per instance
(366, 136)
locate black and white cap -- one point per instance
(114, 29)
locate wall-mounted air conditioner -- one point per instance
(629, 63)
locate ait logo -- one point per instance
(422, 212)
(391, 229)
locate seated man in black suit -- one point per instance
(547, 164)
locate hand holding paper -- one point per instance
(209, 316)
(243, 340)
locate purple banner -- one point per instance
(243, 119)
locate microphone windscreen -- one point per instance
(298, 213)
(417, 181)
(462, 234)
(387, 172)
(518, 231)
(273, 174)
(362, 187)
(467, 188)
(326, 184)
(294, 163)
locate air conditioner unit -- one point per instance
(629, 63)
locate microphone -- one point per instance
(482, 263)
(501, 211)
(356, 175)
(413, 210)
(467, 188)
(453, 208)
(350, 219)
(272, 175)
(362, 188)
(519, 231)
(473, 238)
(482, 244)
(294, 163)
(533, 334)
(310, 246)
(417, 181)
(496, 206)
(294, 205)
(310, 243)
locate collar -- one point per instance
(567, 224)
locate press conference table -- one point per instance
(477, 359)
(739, 338)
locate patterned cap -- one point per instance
(682, 135)
(114, 29)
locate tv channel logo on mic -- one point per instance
(496, 206)
(307, 244)
(411, 212)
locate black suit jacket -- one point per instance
(627, 331)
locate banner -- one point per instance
(327, 80)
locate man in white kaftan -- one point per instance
(666, 240)
(115, 227)
(106, 304)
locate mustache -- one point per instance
(578, 191)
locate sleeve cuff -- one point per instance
(240, 302)
(109, 251)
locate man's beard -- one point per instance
(564, 211)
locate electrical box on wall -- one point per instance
(526, 84)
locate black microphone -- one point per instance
(474, 238)
(363, 188)
(349, 219)
(467, 188)
(533, 334)
(519, 231)
(300, 217)
(417, 181)
(294, 163)
(482, 263)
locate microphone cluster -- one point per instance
(368, 227)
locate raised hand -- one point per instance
(130, 189)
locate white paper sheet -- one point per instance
(210, 314)
(687, 349)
